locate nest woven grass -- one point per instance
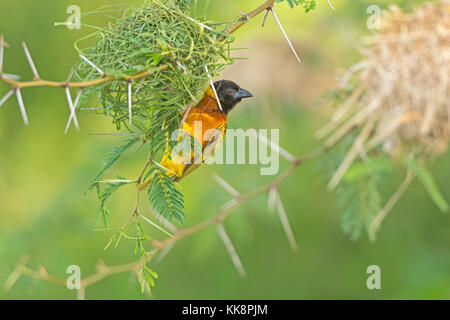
(161, 37)
(400, 92)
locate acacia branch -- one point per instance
(164, 246)
(103, 271)
(247, 17)
(159, 246)
(237, 201)
(37, 82)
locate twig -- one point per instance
(115, 181)
(351, 155)
(266, 5)
(16, 84)
(115, 134)
(390, 204)
(81, 84)
(183, 233)
(163, 247)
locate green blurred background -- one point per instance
(46, 215)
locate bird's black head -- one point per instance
(230, 94)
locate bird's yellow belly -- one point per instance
(197, 126)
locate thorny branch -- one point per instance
(164, 246)
(17, 85)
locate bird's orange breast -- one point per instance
(205, 117)
(207, 124)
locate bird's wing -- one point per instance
(208, 149)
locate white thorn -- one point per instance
(181, 66)
(285, 35)
(70, 76)
(30, 61)
(276, 148)
(73, 115)
(202, 24)
(221, 182)
(273, 194)
(139, 87)
(162, 167)
(164, 252)
(2, 47)
(11, 76)
(156, 225)
(75, 104)
(165, 222)
(22, 107)
(231, 250)
(11, 280)
(228, 205)
(286, 225)
(331, 6)
(6, 97)
(129, 102)
(92, 65)
(213, 88)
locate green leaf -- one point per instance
(308, 5)
(364, 168)
(114, 154)
(361, 202)
(426, 178)
(147, 278)
(164, 195)
(141, 236)
(103, 195)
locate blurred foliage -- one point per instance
(44, 176)
(308, 5)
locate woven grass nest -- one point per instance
(399, 94)
(161, 37)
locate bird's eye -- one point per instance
(230, 91)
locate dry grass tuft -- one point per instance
(400, 97)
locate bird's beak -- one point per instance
(242, 93)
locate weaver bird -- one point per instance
(211, 116)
